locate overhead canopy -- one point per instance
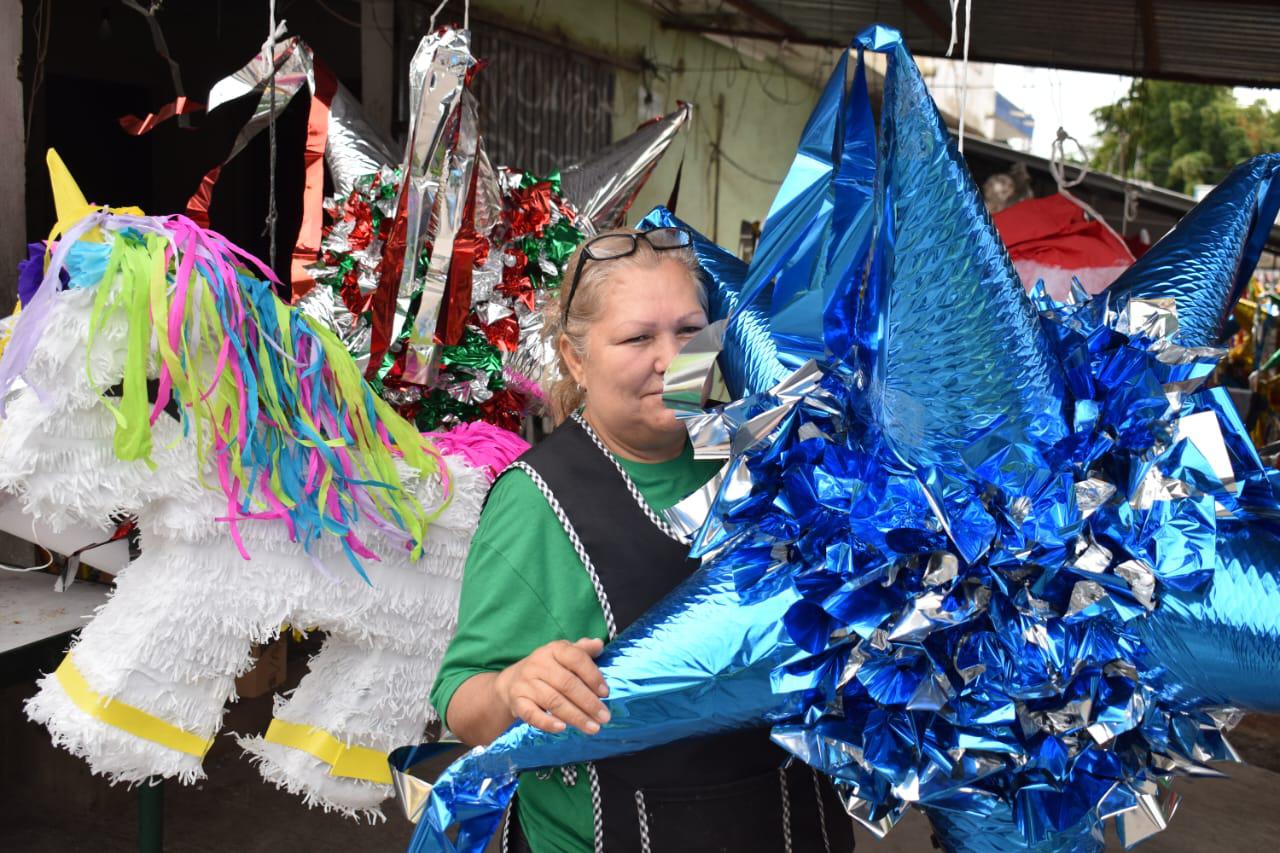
(1229, 42)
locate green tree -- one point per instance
(1177, 135)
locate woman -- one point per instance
(570, 551)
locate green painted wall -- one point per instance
(764, 107)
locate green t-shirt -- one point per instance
(524, 587)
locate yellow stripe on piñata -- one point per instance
(125, 717)
(350, 762)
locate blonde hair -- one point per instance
(564, 396)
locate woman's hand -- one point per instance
(557, 684)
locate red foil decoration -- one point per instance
(307, 248)
(135, 126)
(531, 209)
(456, 302)
(503, 334)
(505, 409)
(383, 304)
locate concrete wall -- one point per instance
(377, 35)
(753, 106)
(12, 168)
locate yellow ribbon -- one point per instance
(352, 762)
(125, 717)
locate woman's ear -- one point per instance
(573, 362)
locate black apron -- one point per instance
(729, 792)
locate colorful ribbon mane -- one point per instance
(274, 403)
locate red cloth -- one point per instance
(1051, 238)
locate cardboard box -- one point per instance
(269, 671)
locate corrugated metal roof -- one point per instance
(1232, 42)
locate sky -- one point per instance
(1067, 98)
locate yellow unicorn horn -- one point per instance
(69, 201)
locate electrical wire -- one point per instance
(719, 152)
(25, 569)
(40, 25)
(343, 18)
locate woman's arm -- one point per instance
(557, 684)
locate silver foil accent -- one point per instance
(732, 429)
(687, 516)
(693, 380)
(1141, 580)
(1204, 432)
(603, 186)
(1092, 494)
(1155, 318)
(1084, 595)
(1094, 558)
(294, 68)
(353, 148)
(943, 567)
(535, 357)
(1155, 808)
(447, 219)
(437, 74)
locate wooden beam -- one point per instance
(763, 16)
(930, 18)
(1150, 39)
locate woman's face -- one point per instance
(648, 314)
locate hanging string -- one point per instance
(1130, 208)
(272, 213)
(431, 27)
(964, 71)
(964, 64)
(466, 15)
(1058, 168)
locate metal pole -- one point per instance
(151, 817)
(715, 212)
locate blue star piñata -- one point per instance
(1007, 560)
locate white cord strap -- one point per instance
(964, 65)
(786, 809)
(578, 547)
(642, 812)
(597, 810)
(822, 811)
(569, 775)
(1058, 168)
(626, 478)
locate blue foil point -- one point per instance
(1205, 262)
(750, 360)
(949, 342)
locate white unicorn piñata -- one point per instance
(155, 373)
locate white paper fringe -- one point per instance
(370, 699)
(179, 626)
